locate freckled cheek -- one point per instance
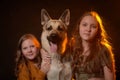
(94, 33)
(36, 51)
(81, 34)
(24, 51)
(81, 31)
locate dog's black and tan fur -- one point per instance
(55, 31)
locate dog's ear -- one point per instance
(44, 16)
(65, 17)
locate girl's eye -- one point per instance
(93, 26)
(24, 48)
(32, 46)
(84, 24)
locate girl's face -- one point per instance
(88, 28)
(29, 49)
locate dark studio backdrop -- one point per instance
(20, 17)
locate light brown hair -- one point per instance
(100, 46)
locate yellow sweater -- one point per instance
(36, 73)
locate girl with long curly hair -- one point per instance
(93, 56)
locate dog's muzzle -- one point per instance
(54, 38)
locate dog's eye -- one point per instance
(49, 28)
(60, 28)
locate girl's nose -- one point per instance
(89, 28)
(29, 50)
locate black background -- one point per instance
(20, 17)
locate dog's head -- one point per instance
(55, 30)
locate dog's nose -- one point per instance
(54, 36)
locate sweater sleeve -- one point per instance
(23, 74)
(41, 75)
(30, 73)
(107, 58)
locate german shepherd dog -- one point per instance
(55, 31)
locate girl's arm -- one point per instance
(109, 75)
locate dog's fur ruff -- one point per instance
(55, 31)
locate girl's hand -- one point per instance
(45, 66)
(45, 55)
(46, 60)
